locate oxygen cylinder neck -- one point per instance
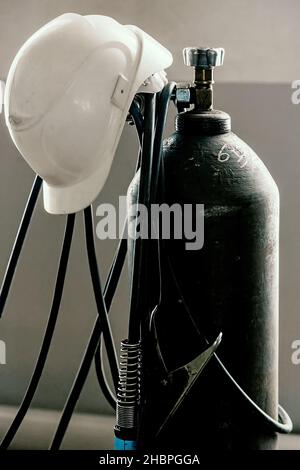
(197, 97)
(203, 60)
(203, 86)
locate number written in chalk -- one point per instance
(229, 151)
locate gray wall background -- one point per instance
(262, 42)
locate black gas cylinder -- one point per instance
(229, 285)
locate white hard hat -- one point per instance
(67, 97)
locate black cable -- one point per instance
(109, 292)
(21, 235)
(135, 113)
(149, 173)
(101, 377)
(35, 378)
(83, 370)
(157, 178)
(93, 347)
(163, 107)
(137, 118)
(101, 307)
(139, 302)
(76, 388)
(284, 425)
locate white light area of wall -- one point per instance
(261, 38)
(2, 88)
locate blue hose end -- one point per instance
(121, 444)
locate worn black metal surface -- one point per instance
(230, 285)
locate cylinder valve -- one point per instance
(204, 60)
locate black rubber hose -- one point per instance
(93, 347)
(101, 377)
(283, 424)
(109, 292)
(101, 307)
(111, 284)
(137, 118)
(163, 107)
(138, 295)
(149, 174)
(162, 111)
(21, 235)
(57, 296)
(76, 388)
